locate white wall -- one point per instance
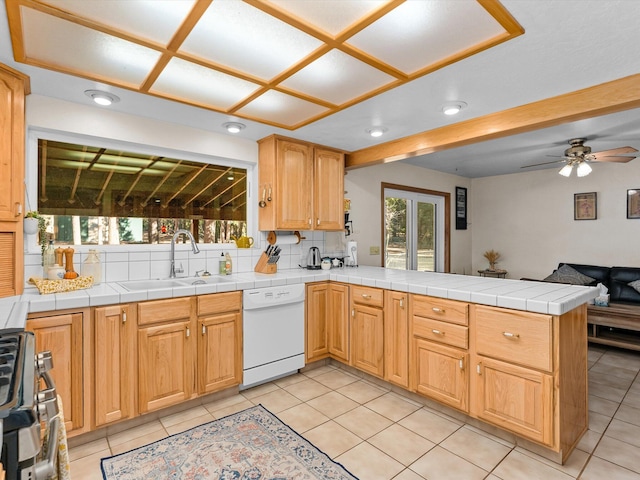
(528, 219)
(363, 189)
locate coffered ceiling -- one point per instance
(279, 62)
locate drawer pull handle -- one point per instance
(364, 295)
(511, 335)
(438, 310)
(437, 332)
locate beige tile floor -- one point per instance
(380, 435)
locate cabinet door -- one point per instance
(11, 146)
(328, 198)
(338, 321)
(396, 338)
(165, 365)
(367, 339)
(515, 398)
(292, 195)
(442, 374)
(219, 352)
(113, 358)
(316, 337)
(62, 336)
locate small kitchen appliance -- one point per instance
(313, 259)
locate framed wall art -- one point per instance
(461, 208)
(633, 203)
(585, 206)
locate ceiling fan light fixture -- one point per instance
(234, 127)
(453, 108)
(583, 169)
(102, 98)
(566, 170)
(376, 131)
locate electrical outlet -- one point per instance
(374, 250)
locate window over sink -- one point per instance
(98, 195)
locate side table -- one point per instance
(493, 273)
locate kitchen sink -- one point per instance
(161, 283)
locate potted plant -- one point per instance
(492, 256)
(34, 223)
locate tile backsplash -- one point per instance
(142, 262)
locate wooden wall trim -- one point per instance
(609, 97)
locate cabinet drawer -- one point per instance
(219, 303)
(158, 311)
(441, 332)
(518, 337)
(440, 309)
(367, 296)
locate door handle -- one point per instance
(124, 316)
(188, 332)
(204, 330)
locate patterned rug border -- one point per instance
(259, 406)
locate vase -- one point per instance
(492, 267)
(30, 225)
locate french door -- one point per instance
(414, 226)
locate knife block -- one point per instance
(263, 267)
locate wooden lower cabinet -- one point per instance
(367, 339)
(316, 336)
(63, 334)
(338, 321)
(396, 338)
(219, 362)
(113, 358)
(165, 352)
(442, 373)
(515, 398)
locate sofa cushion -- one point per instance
(598, 273)
(635, 285)
(568, 274)
(619, 288)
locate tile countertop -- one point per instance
(539, 297)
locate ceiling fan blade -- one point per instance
(617, 159)
(614, 152)
(545, 163)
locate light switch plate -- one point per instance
(374, 250)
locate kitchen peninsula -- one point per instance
(506, 353)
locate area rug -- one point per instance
(250, 445)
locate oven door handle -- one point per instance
(46, 467)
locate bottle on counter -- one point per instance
(92, 266)
(228, 263)
(48, 259)
(222, 265)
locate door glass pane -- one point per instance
(395, 227)
(426, 230)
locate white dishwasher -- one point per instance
(273, 333)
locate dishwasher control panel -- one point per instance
(270, 296)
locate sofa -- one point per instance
(617, 324)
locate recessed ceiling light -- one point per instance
(233, 127)
(376, 131)
(453, 108)
(102, 98)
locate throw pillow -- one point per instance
(635, 285)
(567, 274)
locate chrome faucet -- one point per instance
(194, 247)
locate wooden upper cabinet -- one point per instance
(13, 87)
(301, 186)
(328, 193)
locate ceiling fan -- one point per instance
(578, 155)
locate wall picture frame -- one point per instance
(461, 208)
(633, 203)
(585, 206)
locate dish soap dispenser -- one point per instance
(228, 263)
(222, 265)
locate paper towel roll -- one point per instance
(281, 239)
(352, 253)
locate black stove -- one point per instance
(24, 405)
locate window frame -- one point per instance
(446, 196)
(31, 178)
